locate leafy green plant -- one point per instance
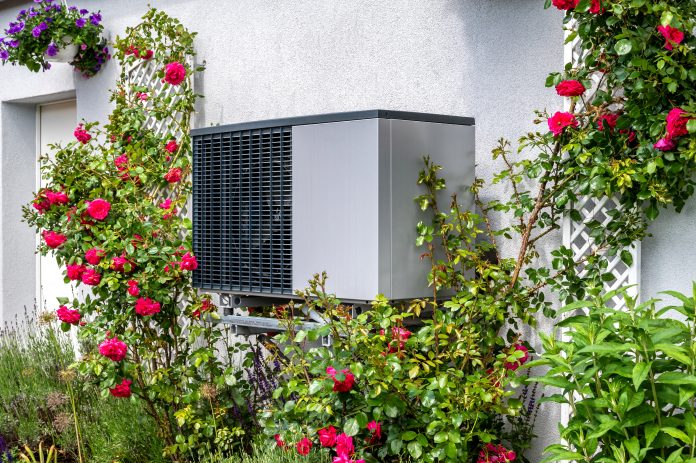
(260, 453)
(431, 394)
(629, 379)
(41, 31)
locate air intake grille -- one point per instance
(242, 210)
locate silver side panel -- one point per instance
(452, 147)
(335, 206)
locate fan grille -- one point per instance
(242, 210)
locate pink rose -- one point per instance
(344, 445)
(69, 316)
(121, 162)
(559, 121)
(119, 263)
(174, 73)
(665, 144)
(53, 239)
(171, 147)
(672, 35)
(113, 349)
(75, 271)
(327, 436)
(174, 175)
(570, 88)
(607, 120)
(94, 256)
(56, 197)
(98, 209)
(122, 390)
(82, 135)
(146, 306)
(304, 446)
(188, 262)
(91, 277)
(166, 204)
(676, 123)
(565, 4)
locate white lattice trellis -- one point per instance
(576, 234)
(143, 73)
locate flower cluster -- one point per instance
(344, 384)
(676, 120)
(492, 453)
(41, 31)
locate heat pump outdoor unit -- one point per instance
(277, 201)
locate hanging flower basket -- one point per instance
(49, 32)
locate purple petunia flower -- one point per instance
(38, 1)
(52, 49)
(43, 26)
(33, 13)
(83, 11)
(4, 55)
(36, 32)
(72, 8)
(80, 22)
(15, 28)
(95, 18)
(21, 13)
(13, 43)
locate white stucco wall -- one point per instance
(265, 59)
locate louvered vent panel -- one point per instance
(242, 210)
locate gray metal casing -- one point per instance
(354, 215)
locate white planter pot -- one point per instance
(66, 52)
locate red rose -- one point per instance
(560, 121)
(122, 390)
(166, 204)
(75, 271)
(304, 446)
(565, 4)
(133, 289)
(53, 239)
(119, 263)
(82, 135)
(41, 203)
(98, 209)
(596, 7)
(131, 50)
(56, 197)
(188, 262)
(279, 441)
(121, 162)
(570, 88)
(69, 316)
(375, 429)
(607, 120)
(91, 277)
(147, 54)
(344, 385)
(672, 35)
(113, 349)
(676, 123)
(173, 176)
(665, 144)
(171, 147)
(94, 256)
(327, 436)
(146, 306)
(174, 73)
(519, 362)
(344, 445)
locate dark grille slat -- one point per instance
(242, 210)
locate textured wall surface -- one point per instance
(482, 58)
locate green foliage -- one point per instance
(36, 391)
(436, 392)
(51, 455)
(629, 378)
(267, 454)
(45, 27)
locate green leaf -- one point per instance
(640, 372)
(677, 434)
(691, 125)
(415, 449)
(316, 386)
(351, 427)
(677, 353)
(300, 336)
(408, 435)
(440, 437)
(676, 377)
(623, 47)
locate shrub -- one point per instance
(629, 379)
(37, 390)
